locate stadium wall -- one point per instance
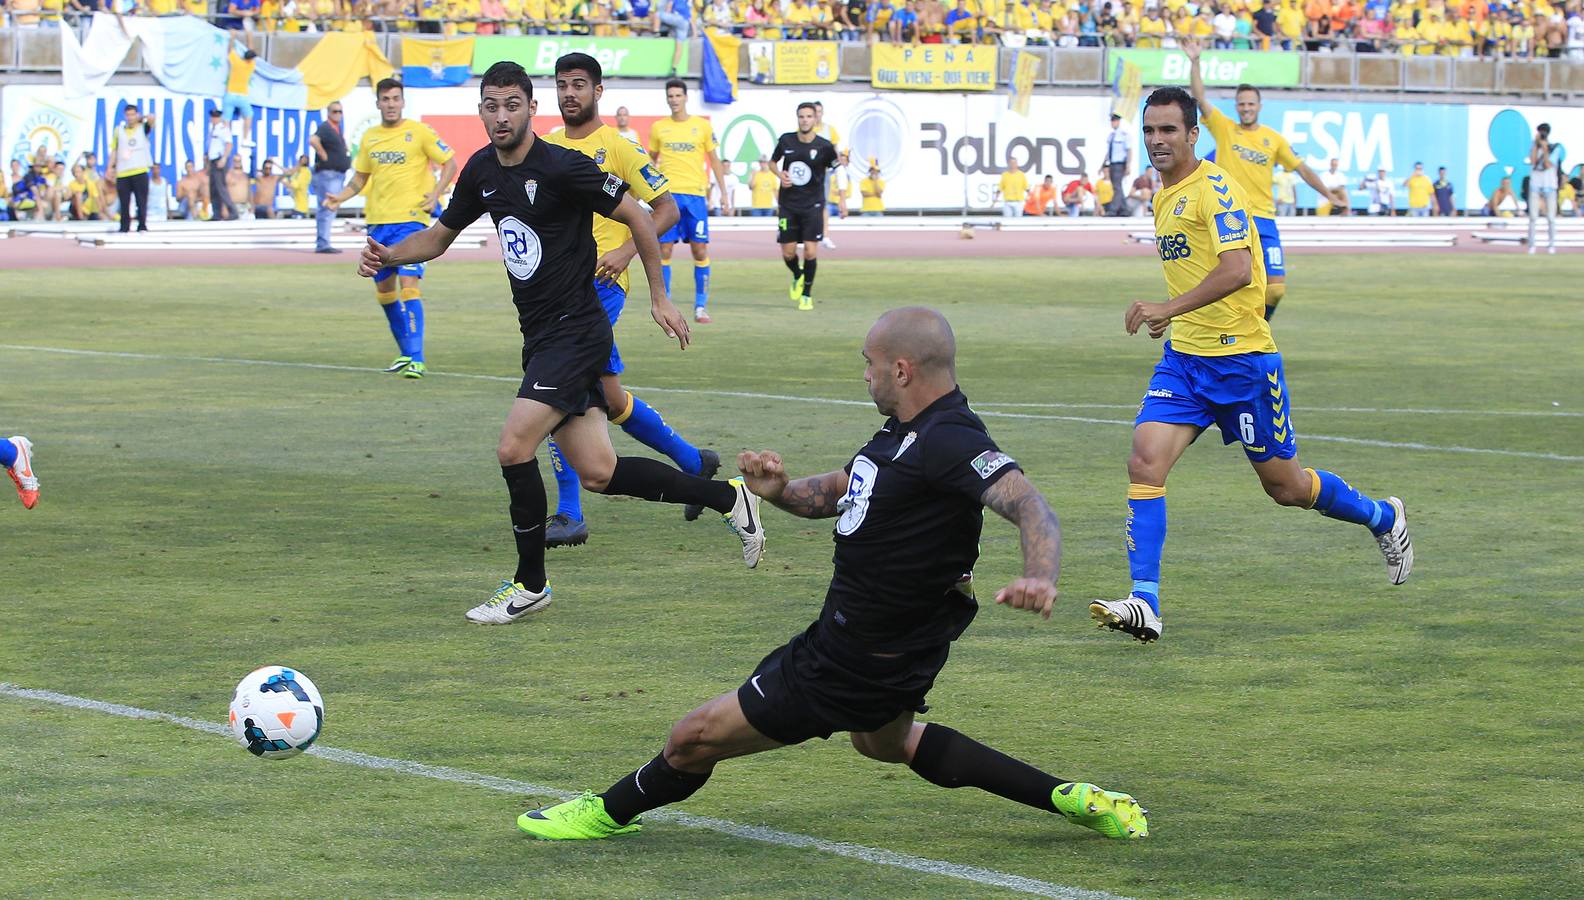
(937, 152)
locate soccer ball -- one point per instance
(276, 712)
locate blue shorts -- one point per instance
(1244, 395)
(235, 106)
(390, 235)
(613, 299)
(693, 226)
(1270, 242)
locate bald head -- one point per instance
(919, 335)
(911, 358)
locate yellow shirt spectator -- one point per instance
(763, 186)
(397, 162)
(1151, 29)
(627, 161)
(1104, 192)
(1419, 190)
(871, 188)
(466, 10)
(298, 183)
(1013, 185)
(199, 8)
(241, 73)
(1290, 21)
(157, 7)
(431, 10)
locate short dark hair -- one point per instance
(807, 104)
(575, 61)
(1248, 87)
(251, 54)
(386, 84)
(506, 74)
(676, 83)
(1544, 128)
(214, 112)
(1176, 96)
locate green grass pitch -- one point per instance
(1303, 730)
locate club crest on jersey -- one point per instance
(1232, 225)
(990, 462)
(599, 157)
(1182, 204)
(906, 443)
(532, 187)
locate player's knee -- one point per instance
(882, 751)
(595, 478)
(694, 740)
(1143, 468)
(1287, 493)
(510, 452)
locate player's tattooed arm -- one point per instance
(815, 497)
(1015, 499)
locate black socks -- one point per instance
(650, 479)
(528, 510)
(654, 785)
(949, 759)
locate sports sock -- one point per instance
(396, 318)
(809, 267)
(655, 784)
(1146, 540)
(1336, 499)
(8, 454)
(415, 324)
(650, 479)
(701, 273)
(569, 493)
(665, 273)
(648, 428)
(793, 265)
(526, 488)
(951, 760)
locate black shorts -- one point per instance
(562, 364)
(799, 692)
(801, 225)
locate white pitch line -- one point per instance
(753, 395)
(764, 835)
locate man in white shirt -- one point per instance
(624, 125)
(219, 155)
(1334, 181)
(1379, 188)
(1119, 150)
(1225, 26)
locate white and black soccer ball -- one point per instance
(276, 712)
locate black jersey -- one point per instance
(543, 212)
(807, 165)
(908, 533)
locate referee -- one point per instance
(910, 507)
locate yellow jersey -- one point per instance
(1248, 155)
(1196, 220)
(241, 73)
(1014, 185)
(763, 186)
(872, 189)
(682, 149)
(298, 183)
(397, 163)
(627, 161)
(1419, 190)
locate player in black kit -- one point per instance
(911, 506)
(802, 160)
(542, 198)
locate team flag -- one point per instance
(1128, 84)
(1024, 72)
(436, 63)
(719, 79)
(335, 64)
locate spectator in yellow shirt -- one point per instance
(1290, 23)
(298, 179)
(1152, 28)
(1420, 190)
(763, 186)
(1013, 188)
(872, 188)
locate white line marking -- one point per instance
(752, 395)
(511, 786)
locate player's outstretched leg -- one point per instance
(1386, 519)
(566, 528)
(413, 314)
(16, 457)
(646, 426)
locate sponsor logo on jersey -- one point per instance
(1232, 225)
(652, 177)
(612, 185)
(1249, 154)
(800, 172)
(990, 462)
(1157, 392)
(521, 250)
(389, 157)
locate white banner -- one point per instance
(1499, 138)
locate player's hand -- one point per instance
(1033, 594)
(375, 257)
(1339, 198)
(670, 321)
(610, 266)
(332, 202)
(1152, 314)
(763, 473)
(786, 180)
(726, 207)
(1190, 48)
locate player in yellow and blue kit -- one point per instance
(1249, 151)
(578, 89)
(684, 146)
(1220, 367)
(393, 160)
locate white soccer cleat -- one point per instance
(744, 520)
(827, 243)
(510, 602)
(1130, 615)
(21, 472)
(1396, 546)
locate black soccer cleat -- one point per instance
(709, 464)
(561, 530)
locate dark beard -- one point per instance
(588, 115)
(513, 142)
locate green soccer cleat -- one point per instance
(399, 364)
(796, 293)
(1113, 814)
(805, 303)
(582, 819)
(414, 370)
